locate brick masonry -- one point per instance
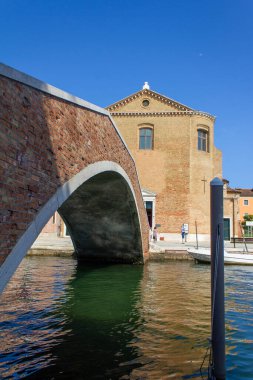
(45, 141)
(174, 169)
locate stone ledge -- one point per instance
(50, 252)
(170, 255)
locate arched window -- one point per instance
(203, 140)
(145, 138)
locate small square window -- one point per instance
(246, 202)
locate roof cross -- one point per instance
(204, 180)
(146, 86)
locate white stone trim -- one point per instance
(27, 239)
(150, 197)
(164, 113)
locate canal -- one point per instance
(63, 321)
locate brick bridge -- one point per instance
(58, 152)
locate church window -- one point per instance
(145, 103)
(145, 138)
(203, 140)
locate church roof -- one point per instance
(152, 94)
(171, 107)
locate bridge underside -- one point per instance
(102, 220)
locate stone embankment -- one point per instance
(163, 253)
(170, 255)
(51, 245)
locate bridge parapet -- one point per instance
(48, 137)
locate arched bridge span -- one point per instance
(58, 152)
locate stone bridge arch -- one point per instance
(58, 152)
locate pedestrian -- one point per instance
(155, 234)
(58, 226)
(186, 230)
(150, 234)
(183, 233)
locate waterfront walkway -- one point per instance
(51, 244)
(166, 245)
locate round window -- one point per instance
(145, 103)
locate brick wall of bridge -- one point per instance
(45, 141)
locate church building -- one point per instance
(173, 148)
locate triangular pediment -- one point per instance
(147, 100)
(147, 193)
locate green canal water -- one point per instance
(63, 321)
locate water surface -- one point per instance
(63, 321)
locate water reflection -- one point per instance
(175, 307)
(102, 316)
(123, 322)
(239, 322)
(31, 320)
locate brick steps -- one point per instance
(174, 254)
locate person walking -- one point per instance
(155, 234)
(183, 234)
(186, 230)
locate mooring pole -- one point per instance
(196, 230)
(217, 280)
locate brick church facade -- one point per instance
(173, 147)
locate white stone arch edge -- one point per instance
(63, 192)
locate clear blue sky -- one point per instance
(198, 52)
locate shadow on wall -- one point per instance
(29, 173)
(102, 219)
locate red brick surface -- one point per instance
(45, 141)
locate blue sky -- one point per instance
(198, 52)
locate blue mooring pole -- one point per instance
(217, 281)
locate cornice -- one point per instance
(151, 94)
(162, 114)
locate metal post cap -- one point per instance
(216, 182)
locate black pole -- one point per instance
(196, 230)
(217, 280)
(234, 220)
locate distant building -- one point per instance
(231, 212)
(55, 226)
(246, 202)
(173, 147)
(246, 208)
